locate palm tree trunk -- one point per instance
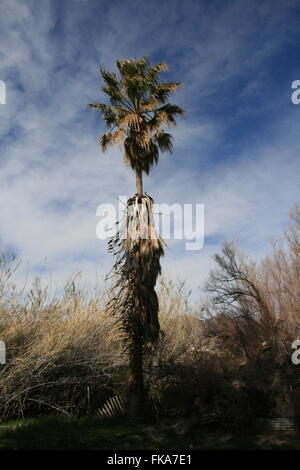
(139, 182)
(136, 389)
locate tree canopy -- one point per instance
(138, 112)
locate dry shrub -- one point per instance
(181, 328)
(253, 314)
(233, 359)
(60, 353)
(181, 374)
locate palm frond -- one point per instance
(128, 119)
(149, 104)
(171, 109)
(164, 141)
(111, 138)
(105, 141)
(114, 94)
(162, 91)
(165, 114)
(141, 151)
(110, 78)
(108, 113)
(154, 71)
(132, 67)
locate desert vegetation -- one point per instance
(225, 361)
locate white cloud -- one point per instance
(52, 175)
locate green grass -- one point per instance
(55, 433)
(86, 433)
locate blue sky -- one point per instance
(236, 150)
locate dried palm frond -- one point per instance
(113, 407)
(138, 249)
(116, 406)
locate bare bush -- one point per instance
(60, 354)
(254, 314)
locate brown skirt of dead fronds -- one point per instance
(138, 249)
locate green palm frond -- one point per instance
(149, 104)
(154, 71)
(114, 94)
(110, 78)
(164, 141)
(171, 109)
(165, 114)
(163, 90)
(108, 113)
(132, 67)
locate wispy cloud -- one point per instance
(236, 151)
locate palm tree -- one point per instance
(135, 117)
